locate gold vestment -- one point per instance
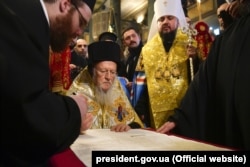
(166, 75)
(105, 116)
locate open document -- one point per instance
(134, 139)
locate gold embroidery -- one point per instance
(107, 115)
(167, 77)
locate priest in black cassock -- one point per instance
(216, 107)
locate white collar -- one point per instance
(45, 10)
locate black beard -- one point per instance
(168, 39)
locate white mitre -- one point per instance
(163, 8)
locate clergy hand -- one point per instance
(87, 122)
(129, 85)
(72, 66)
(191, 51)
(120, 128)
(165, 128)
(81, 101)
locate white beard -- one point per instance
(104, 98)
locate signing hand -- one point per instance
(120, 128)
(165, 128)
(87, 122)
(81, 101)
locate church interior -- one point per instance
(115, 15)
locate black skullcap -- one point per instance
(103, 51)
(90, 3)
(107, 36)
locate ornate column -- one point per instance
(116, 5)
(150, 11)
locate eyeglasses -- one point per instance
(105, 72)
(82, 22)
(79, 46)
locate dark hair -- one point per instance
(130, 28)
(50, 1)
(78, 3)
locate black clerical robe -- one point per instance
(35, 123)
(216, 107)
